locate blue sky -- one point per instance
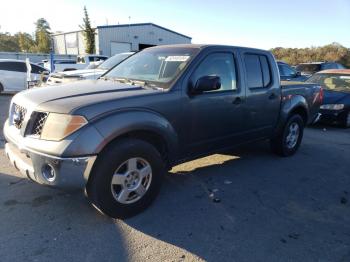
(255, 23)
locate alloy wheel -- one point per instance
(131, 180)
(293, 135)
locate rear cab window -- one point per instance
(258, 70)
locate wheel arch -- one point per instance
(295, 104)
(300, 110)
(143, 125)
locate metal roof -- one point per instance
(143, 24)
(335, 71)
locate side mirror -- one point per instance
(298, 73)
(207, 83)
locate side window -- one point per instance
(99, 58)
(218, 64)
(13, 66)
(340, 66)
(265, 70)
(329, 66)
(81, 59)
(258, 70)
(36, 69)
(3, 66)
(287, 71)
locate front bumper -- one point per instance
(333, 116)
(50, 170)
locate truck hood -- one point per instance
(82, 72)
(68, 97)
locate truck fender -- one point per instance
(292, 104)
(125, 122)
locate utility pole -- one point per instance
(52, 51)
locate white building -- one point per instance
(114, 39)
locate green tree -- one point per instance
(26, 42)
(42, 36)
(89, 33)
(332, 52)
(8, 43)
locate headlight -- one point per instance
(59, 126)
(333, 106)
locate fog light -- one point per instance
(48, 173)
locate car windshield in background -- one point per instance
(155, 66)
(114, 60)
(331, 81)
(309, 68)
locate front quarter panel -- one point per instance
(123, 122)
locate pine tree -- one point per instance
(89, 33)
(42, 36)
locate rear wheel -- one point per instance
(126, 178)
(1, 88)
(287, 142)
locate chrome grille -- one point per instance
(38, 124)
(18, 115)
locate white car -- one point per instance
(13, 74)
(69, 76)
(82, 62)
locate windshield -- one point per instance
(157, 66)
(113, 61)
(331, 81)
(310, 68)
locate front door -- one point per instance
(214, 118)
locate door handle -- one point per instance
(237, 101)
(272, 96)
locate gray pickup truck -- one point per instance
(117, 136)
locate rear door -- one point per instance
(13, 75)
(263, 92)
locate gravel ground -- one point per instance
(246, 205)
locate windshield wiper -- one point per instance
(145, 84)
(132, 82)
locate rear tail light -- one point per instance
(321, 94)
(318, 97)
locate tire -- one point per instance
(346, 122)
(287, 142)
(1, 88)
(134, 185)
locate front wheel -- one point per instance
(287, 142)
(126, 178)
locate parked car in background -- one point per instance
(336, 102)
(288, 73)
(81, 62)
(75, 75)
(163, 106)
(308, 69)
(13, 74)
